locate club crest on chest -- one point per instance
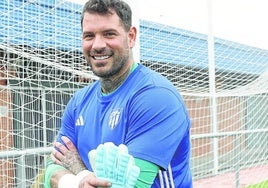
(114, 118)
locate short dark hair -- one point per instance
(121, 8)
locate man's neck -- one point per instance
(108, 85)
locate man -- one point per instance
(130, 105)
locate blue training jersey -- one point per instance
(146, 113)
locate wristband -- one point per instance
(82, 174)
(68, 181)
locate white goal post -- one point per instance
(42, 65)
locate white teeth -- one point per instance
(101, 57)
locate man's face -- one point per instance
(106, 45)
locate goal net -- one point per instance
(224, 85)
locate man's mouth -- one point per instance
(101, 57)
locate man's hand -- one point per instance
(67, 156)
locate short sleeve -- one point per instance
(158, 121)
(68, 123)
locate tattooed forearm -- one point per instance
(73, 162)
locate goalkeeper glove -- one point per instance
(114, 164)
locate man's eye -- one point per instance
(88, 36)
(109, 34)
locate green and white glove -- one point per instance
(114, 164)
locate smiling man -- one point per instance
(129, 105)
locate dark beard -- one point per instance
(116, 68)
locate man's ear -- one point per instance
(132, 34)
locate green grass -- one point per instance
(263, 184)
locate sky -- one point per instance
(242, 21)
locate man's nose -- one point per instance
(98, 43)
